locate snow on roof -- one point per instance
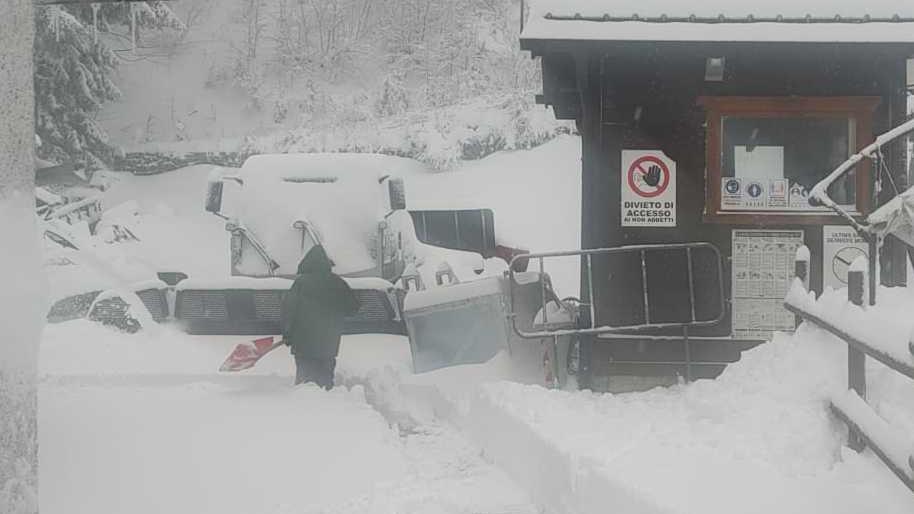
(879, 21)
(823, 9)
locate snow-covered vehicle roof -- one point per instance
(878, 21)
(341, 196)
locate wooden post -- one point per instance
(593, 170)
(856, 360)
(801, 271)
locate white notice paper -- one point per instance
(762, 163)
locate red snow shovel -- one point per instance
(245, 355)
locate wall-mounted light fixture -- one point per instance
(714, 69)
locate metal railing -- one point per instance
(867, 429)
(873, 152)
(591, 326)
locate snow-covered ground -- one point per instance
(143, 423)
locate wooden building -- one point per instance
(710, 122)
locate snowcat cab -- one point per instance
(354, 205)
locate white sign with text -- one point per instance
(648, 189)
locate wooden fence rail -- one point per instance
(865, 426)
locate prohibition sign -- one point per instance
(641, 167)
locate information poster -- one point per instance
(763, 269)
(648, 189)
(841, 246)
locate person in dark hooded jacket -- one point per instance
(313, 313)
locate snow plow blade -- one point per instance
(469, 323)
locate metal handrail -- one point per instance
(819, 193)
(593, 329)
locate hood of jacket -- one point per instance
(316, 261)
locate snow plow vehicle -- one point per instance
(354, 205)
(437, 276)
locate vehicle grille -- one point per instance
(372, 306)
(260, 311)
(268, 305)
(156, 303)
(202, 305)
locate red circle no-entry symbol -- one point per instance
(648, 176)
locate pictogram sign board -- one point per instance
(648, 189)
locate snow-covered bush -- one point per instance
(439, 137)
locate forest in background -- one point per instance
(437, 80)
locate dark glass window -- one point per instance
(771, 163)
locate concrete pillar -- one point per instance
(22, 299)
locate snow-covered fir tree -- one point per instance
(75, 61)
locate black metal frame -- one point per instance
(593, 329)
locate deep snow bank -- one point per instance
(758, 439)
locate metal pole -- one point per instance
(647, 308)
(457, 229)
(555, 361)
(691, 283)
(801, 271)
(522, 16)
(688, 353)
(543, 292)
(590, 298)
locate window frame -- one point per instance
(861, 108)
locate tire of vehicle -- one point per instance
(397, 192)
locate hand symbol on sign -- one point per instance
(652, 177)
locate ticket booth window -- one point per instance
(766, 154)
